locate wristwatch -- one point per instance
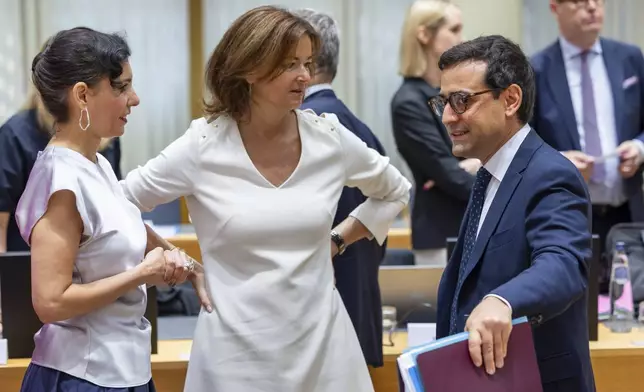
(338, 241)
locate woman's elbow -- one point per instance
(48, 310)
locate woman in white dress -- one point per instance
(262, 181)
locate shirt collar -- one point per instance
(315, 88)
(570, 51)
(500, 162)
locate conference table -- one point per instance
(617, 360)
(183, 236)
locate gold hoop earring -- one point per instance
(80, 119)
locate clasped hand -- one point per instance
(174, 267)
(489, 328)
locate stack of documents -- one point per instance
(445, 365)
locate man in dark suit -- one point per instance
(590, 106)
(524, 243)
(356, 270)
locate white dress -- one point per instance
(278, 323)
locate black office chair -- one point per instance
(398, 257)
(593, 283)
(165, 214)
(19, 320)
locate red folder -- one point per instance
(450, 368)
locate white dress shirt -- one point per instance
(317, 87)
(497, 166)
(611, 191)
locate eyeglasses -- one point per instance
(584, 3)
(458, 101)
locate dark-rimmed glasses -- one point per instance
(585, 3)
(458, 101)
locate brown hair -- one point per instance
(258, 41)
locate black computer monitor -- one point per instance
(19, 320)
(593, 283)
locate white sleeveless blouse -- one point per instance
(111, 346)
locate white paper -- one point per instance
(165, 231)
(4, 353)
(405, 362)
(603, 158)
(420, 333)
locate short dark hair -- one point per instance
(72, 56)
(506, 65)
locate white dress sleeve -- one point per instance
(168, 176)
(386, 188)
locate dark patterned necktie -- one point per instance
(483, 178)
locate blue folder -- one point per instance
(408, 360)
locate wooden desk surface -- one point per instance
(609, 344)
(617, 359)
(398, 238)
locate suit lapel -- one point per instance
(503, 195)
(447, 287)
(558, 83)
(615, 72)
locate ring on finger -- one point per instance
(190, 265)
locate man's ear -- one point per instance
(512, 98)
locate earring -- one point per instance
(250, 89)
(80, 119)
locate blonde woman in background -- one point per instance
(431, 27)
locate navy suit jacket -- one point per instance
(554, 116)
(533, 249)
(356, 270)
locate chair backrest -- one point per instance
(395, 256)
(19, 320)
(593, 283)
(165, 214)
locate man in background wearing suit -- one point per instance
(590, 106)
(524, 243)
(356, 270)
